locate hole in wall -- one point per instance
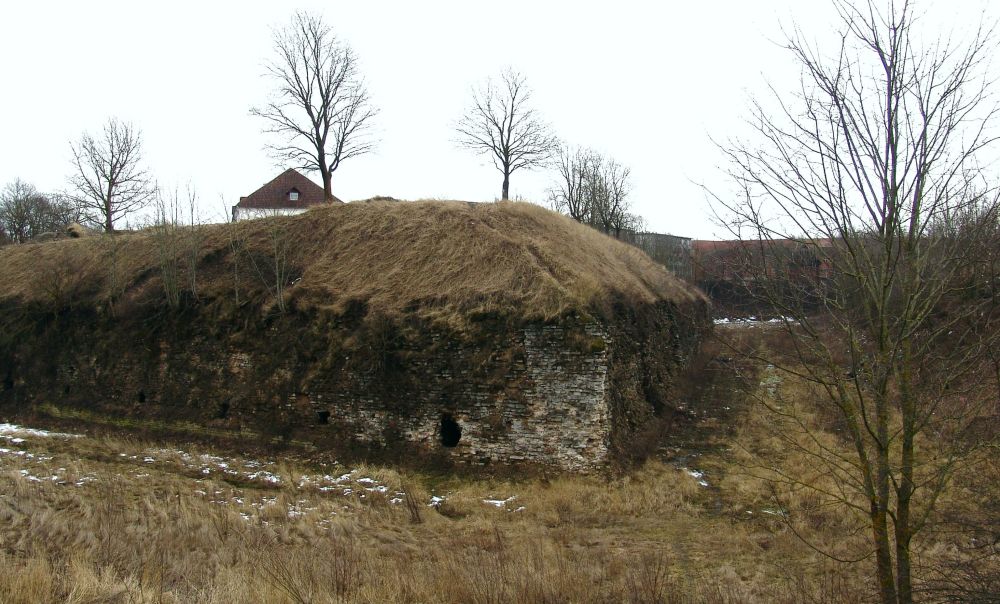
(141, 397)
(323, 417)
(8, 383)
(223, 411)
(450, 431)
(66, 389)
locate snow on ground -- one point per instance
(7, 430)
(500, 503)
(260, 474)
(753, 321)
(697, 475)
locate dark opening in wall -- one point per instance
(8, 383)
(323, 417)
(141, 397)
(451, 432)
(223, 411)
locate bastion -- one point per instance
(450, 332)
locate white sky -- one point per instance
(648, 83)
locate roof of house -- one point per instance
(275, 194)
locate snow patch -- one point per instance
(500, 502)
(6, 429)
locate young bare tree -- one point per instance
(194, 239)
(168, 242)
(237, 233)
(501, 123)
(109, 181)
(855, 178)
(321, 107)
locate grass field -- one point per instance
(87, 515)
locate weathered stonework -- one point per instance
(568, 395)
(553, 411)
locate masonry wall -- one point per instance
(571, 394)
(532, 399)
(534, 394)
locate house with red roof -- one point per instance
(289, 193)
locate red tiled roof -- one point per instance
(275, 194)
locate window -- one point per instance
(293, 195)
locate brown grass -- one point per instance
(107, 519)
(436, 256)
(136, 521)
(137, 531)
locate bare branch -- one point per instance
(501, 123)
(109, 181)
(321, 110)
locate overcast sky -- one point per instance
(648, 83)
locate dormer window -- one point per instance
(293, 195)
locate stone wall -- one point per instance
(548, 406)
(534, 394)
(570, 394)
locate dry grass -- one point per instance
(108, 519)
(101, 519)
(435, 256)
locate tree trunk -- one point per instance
(327, 184)
(880, 504)
(904, 493)
(903, 566)
(505, 192)
(108, 223)
(883, 555)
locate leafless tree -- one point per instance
(109, 181)
(501, 123)
(168, 242)
(321, 107)
(593, 189)
(26, 213)
(858, 169)
(569, 194)
(276, 266)
(237, 233)
(608, 191)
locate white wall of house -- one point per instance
(251, 213)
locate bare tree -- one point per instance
(26, 213)
(569, 194)
(859, 169)
(594, 190)
(169, 244)
(502, 124)
(321, 107)
(109, 181)
(608, 190)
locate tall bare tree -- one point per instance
(321, 107)
(862, 169)
(109, 181)
(501, 123)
